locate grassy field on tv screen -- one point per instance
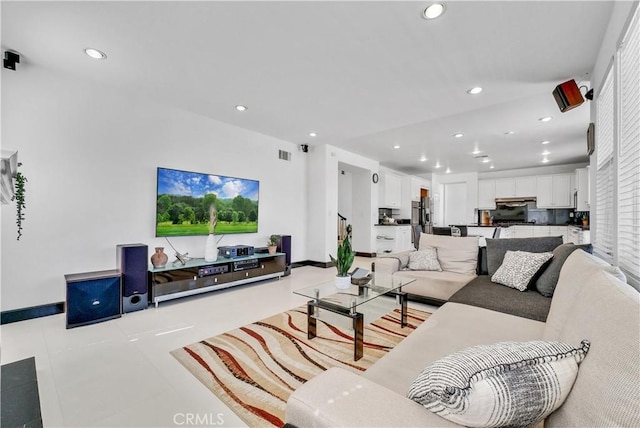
(169, 229)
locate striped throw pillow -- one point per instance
(514, 384)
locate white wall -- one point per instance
(455, 203)
(345, 194)
(323, 201)
(90, 154)
(471, 182)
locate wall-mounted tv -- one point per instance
(184, 200)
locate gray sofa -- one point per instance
(467, 269)
(589, 303)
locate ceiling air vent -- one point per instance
(284, 155)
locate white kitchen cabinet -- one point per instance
(487, 194)
(519, 187)
(521, 231)
(582, 200)
(560, 231)
(541, 231)
(392, 239)
(537, 231)
(505, 188)
(579, 236)
(554, 191)
(391, 190)
(525, 187)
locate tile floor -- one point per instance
(119, 373)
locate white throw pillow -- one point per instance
(425, 259)
(514, 384)
(519, 267)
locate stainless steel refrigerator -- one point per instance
(420, 218)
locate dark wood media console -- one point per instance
(199, 276)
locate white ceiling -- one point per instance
(363, 75)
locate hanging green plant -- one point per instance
(20, 179)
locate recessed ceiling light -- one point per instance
(437, 165)
(433, 11)
(545, 119)
(476, 152)
(474, 91)
(241, 107)
(545, 142)
(396, 146)
(509, 133)
(424, 159)
(546, 152)
(458, 135)
(95, 53)
(313, 134)
(545, 160)
(486, 160)
(491, 167)
(448, 171)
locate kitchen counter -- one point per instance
(505, 225)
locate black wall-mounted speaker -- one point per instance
(284, 246)
(93, 297)
(568, 95)
(131, 260)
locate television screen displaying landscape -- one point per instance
(185, 200)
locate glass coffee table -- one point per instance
(346, 302)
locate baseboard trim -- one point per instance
(22, 314)
(370, 255)
(312, 263)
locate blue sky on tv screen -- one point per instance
(173, 182)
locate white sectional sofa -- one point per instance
(589, 303)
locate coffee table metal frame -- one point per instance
(350, 311)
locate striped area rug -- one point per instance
(255, 368)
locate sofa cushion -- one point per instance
(486, 294)
(456, 254)
(519, 267)
(424, 259)
(546, 282)
(451, 328)
(433, 284)
(590, 301)
(496, 248)
(505, 384)
(483, 269)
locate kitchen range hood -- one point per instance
(515, 202)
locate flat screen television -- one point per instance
(184, 200)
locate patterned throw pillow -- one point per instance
(519, 267)
(426, 259)
(514, 384)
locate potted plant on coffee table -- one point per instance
(343, 261)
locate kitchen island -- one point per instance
(392, 238)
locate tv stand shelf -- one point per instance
(199, 276)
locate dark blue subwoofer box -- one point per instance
(93, 297)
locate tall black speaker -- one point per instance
(131, 260)
(284, 246)
(93, 297)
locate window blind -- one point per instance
(628, 248)
(604, 221)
